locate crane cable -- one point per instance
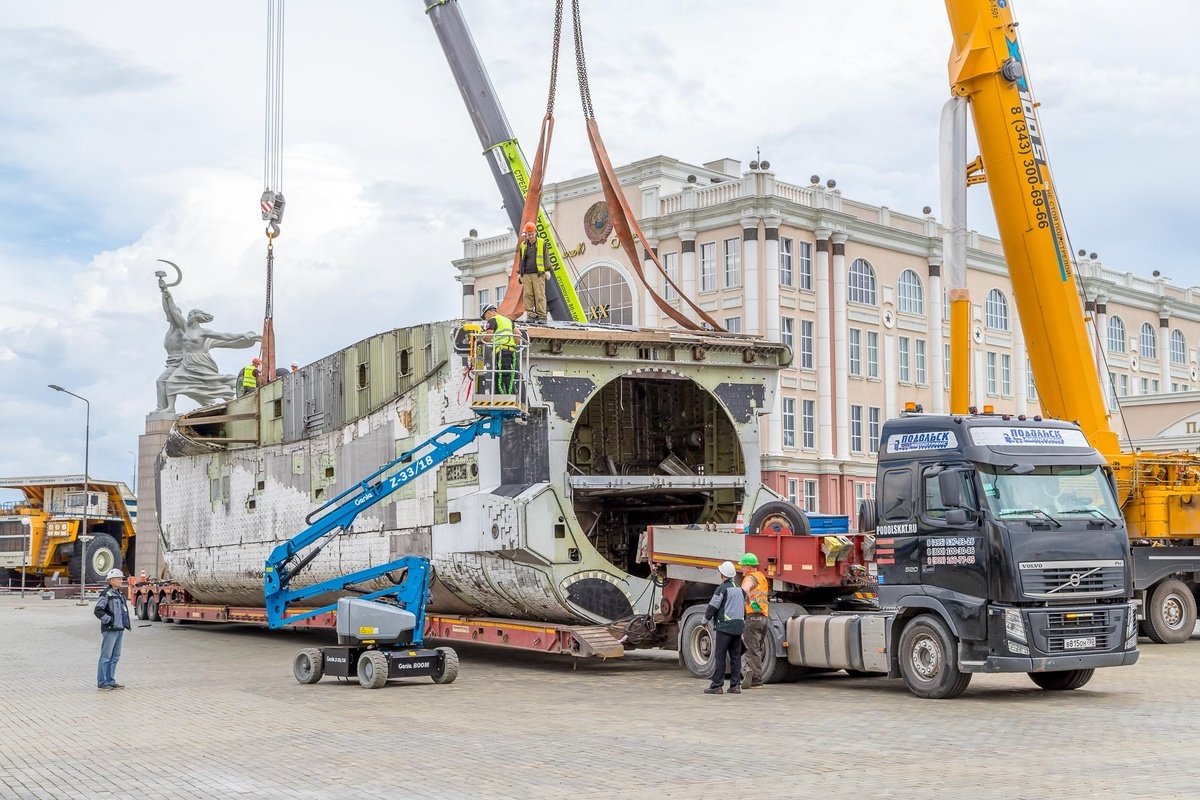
(624, 222)
(272, 202)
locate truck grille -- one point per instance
(1052, 580)
(1052, 629)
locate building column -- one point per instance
(1164, 350)
(687, 270)
(935, 359)
(824, 353)
(469, 311)
(891, 407)
(841, 345)
(1100, 314)
(750, 294)
(649, 309)
(1021, 389)
(771, 279)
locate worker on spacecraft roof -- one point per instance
(531, 261)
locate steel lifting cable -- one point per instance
(624, 222)
(272, 201)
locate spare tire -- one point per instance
(777, 516)
(866, 516)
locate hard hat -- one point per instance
(748, 560)
(255, 361)
(487, 308)
(295, 365)
(530, 227)
(727, 569)
(114, 573)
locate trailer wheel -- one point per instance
(696, 644)
(309, 665)
(779, 514)
(372, 669)
(1062, 681)
(139, 607)
(929, 660)
(152, 609)
(1171, 616)
(449, 666)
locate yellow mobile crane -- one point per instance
(1159, 494)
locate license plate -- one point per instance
(1082, 643)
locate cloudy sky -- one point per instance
(132, 130)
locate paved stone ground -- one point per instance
(213, 712)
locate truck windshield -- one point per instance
(1049, 492)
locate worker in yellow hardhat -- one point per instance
(755, 657)
(531, 266)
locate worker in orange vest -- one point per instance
(531, 258)
(755, 656)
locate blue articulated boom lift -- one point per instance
(380, 633)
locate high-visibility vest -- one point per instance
(541, 253)
(505, 338)
(757, 594)
(248, 379)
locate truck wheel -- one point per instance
(777, 515)
(696, 643)
(152, 608)
(1062, 681)
(309, 665)
(139, 607)
(103, 554)
(449, 666)
(1171, 616)
(929, 660)
(778, 669)
(372, 669)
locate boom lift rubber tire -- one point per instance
(103, 554)
(1171, 614)
(696, 643)
(372, 669)
(152, 609)
(449, 666)
(783, 512)
(309, 665)
(139, 608)
(1062, 681)
(929, 660)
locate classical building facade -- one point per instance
(855, 290)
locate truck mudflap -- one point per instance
(1050, 663)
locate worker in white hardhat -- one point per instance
(727, 611)
(295, 366)
(113, 613)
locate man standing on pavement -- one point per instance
(503, 338)
(755, 586)
(532, 260)
(727, 611)
(113, 613)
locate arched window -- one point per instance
(1117, 340)
(996, 310)
(912, 296)
(604, 286)
(1178, 347)
(861, 288)
(1148, 341)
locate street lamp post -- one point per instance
(27, 524)
(83, 531)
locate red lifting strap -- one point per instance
(514, 300)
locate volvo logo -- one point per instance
(1075, 578)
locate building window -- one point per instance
(733, 324)
(1112, 388)
(808, 419)
(991, 372)
(1154, 386)
(806, 344)
(1145, 386)
(810, 496)
(1116, 335)
(1031, 389)
(946, 366)
(855, 352)
(793, 492)
(1178, 347)
(500, 291)
(996, 311)
(861, 288)
(787, 331)
(805, 261)
(912, 296)
(789, 422)
(905, 359)
(708, 267)
(856, 420)
(919, 360)
(1148, 341)
(860, 494)
(483, 297)
(872, 354)
(604, 286)
(1124, 385)
(945, 306)
(1006, 375)
(874, 424)
(785, 262)
(733, 263)
(670, 262)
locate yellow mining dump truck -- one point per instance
(43, 533)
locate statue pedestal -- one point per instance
(148, 555)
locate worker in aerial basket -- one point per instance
(727, 612)
(113, 613)
(755, 586)
(248, 378)
(531, 261)
(503, 338)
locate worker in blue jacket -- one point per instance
(727, 613)
(113, 613)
